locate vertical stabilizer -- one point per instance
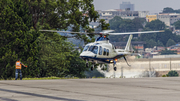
(128, 45)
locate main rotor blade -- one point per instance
(135, 32)
(64, 31)
(106, 31)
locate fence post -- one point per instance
(170, 63)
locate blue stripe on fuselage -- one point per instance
(103, 59)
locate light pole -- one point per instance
(114, 74)
(121, 71)
(149, 67)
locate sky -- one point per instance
(153, 6)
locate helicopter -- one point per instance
(102, 51)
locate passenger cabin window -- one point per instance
(94, 49)
(100, 50)
(104, 51)
(107, 52)
(86, 48)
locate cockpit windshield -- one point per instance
(94, 49)
(86, 48)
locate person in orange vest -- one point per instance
(18, 69)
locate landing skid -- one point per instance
(126, 61)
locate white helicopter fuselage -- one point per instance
(102, 52)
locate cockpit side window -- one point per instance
(100, 50)
(104, 51)
(86, 48)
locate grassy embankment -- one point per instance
(49, 78)
(43, 78)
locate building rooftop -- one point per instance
(126, 3)
(111, 10)
(169, 14)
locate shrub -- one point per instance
(164, 76)
(172, 73)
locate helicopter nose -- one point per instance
(87, 54)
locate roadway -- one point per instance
(126, 89)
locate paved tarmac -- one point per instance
(122, 89)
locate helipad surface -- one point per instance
(131, 89)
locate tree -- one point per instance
(165, 36)
(177, 25)
(115, 23)
(172, 73)
(73, 15)
(162, 37)
(151, 43)
(147, 37)
(177, 11)
(103, 25)
(22, 10)
(170, 42)
(56, 14)
(138, 23)
(53, 54)
(76, 67)
(62, 14)
(46, 54)
(167, 52)
(176, 38)
(168, 10)
(155, 25)
(124, 25)
(159, 43)
(58, 57)
(16, 42)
